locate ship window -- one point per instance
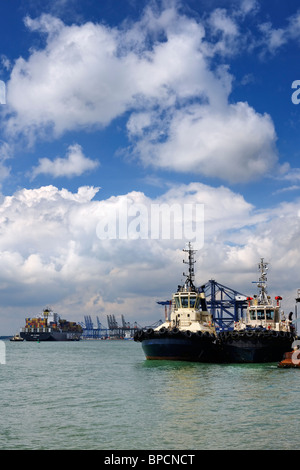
(192, 302)
(270, 315)
(177, 303)
(185, 302)
(203, 304)
(260, 314)
(252, 315)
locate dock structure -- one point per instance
(226, 305)
(117, 331)
(113, 331)
(93, 332)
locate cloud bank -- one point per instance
(50, 251)
(167, 72)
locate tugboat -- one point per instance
(262, 336)
(16, 338)
(290, 360)
(189, 334)
(50, 327)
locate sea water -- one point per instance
(104, 395)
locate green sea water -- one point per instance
(104, 395)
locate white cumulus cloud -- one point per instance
(158, 70)
(234, 142)
(74, 164)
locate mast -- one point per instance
(190, 277)
(262, 284)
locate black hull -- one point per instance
(228, 347)
(254, 347)
(50, 336)
(179, 347)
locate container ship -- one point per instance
(50, 327)
(264, 335)
(189, 334)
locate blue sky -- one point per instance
(156, 102)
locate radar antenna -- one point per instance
(262, 283)
(190, 277)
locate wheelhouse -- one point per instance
(191, 300)
(263, 314)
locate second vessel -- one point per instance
(50, 327)
(263, 335)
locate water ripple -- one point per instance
(104, 395)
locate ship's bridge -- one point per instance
(266, 313)
(261, 314)
(192, 300)
(186, 300)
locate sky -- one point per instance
(110, 109)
